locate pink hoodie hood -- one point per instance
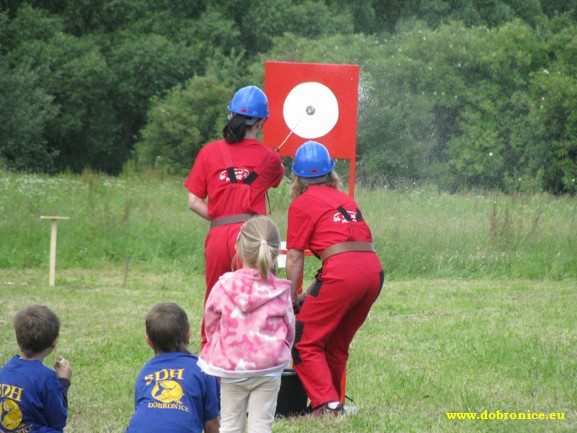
(249, 324)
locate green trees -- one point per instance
(552, 120)
(462, 94)
(99, 82)
(25, 108)
(75, 74)
(182, 122)
(24, 113)
(462, 107)
(487, 151)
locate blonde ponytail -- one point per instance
(259, 244)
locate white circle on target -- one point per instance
(311, 110)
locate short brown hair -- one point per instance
(167, 327)
(36, 329)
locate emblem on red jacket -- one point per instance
(339, 218)
(240, 173)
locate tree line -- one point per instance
(460, 94)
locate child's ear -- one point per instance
(149, 342)
(54, 343)
(188, 335)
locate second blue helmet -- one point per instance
(312, 159)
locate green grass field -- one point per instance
(477, 313)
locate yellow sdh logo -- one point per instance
(166, 389)
(10, 414)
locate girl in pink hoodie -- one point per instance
(249, 323)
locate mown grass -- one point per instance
(477, 313)
(429, 347)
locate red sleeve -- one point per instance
(271, 174)
(299, 229)
(278, 168)
(197, 181)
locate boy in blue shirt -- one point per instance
(171, 393)
(33, 397)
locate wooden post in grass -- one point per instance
(126, 269)
(53, 236)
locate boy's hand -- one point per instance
(63, 368)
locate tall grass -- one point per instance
(418, 233)
(421, 233)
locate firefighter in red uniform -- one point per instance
(329, 223)
(234, 174)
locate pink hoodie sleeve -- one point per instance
(289, 320)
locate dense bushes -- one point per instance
(460, 94)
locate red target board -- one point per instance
(310, 101)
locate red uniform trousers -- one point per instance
(219, 253)
(331, 315)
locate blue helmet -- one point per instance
(312, 159)
(249, 101)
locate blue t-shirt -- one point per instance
(172, 394)
(31, 398)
